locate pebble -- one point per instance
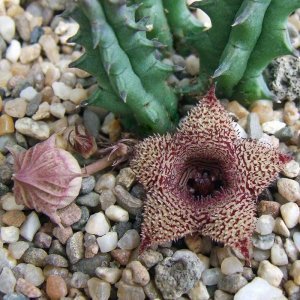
(85, 214)
(43, 112)
(264, 109)
(177, 275)
(126, 178)
(290, 214)
(74, 247)
(265, 224)
(56, 260)
(278, 255)
(29, 93)
(211, 276)
(289, 189)
(272, 274)
(50, 270)
(30, 53)
(57, 110)
(23, 27)
(107, 198)
(220, 295)
(290, 113)
(108, 242)
(296, 239)
(151, 291)
(199, 292)
(280, 228)
(110, 275)
(42, 240)
(79, 280)
(150, 258)
(28, 289)
(140, 274)
(126, 292)
(105, 182)
(78, 95)
(295, 271)
(117, 214)
(290, 249)
(97, 224)
(231, 265)
(69, 214)
(291, 169)
(7, 281)
(50, 48)
(6, 125)
(271, 127)
(130, 240)
(35, 256)
(91, 122)
(87, 185)
(9, 234)
(9, 203)
(7, 28)
(132, 204)
(121, 256)
(291, 288)
(13, 218)
(16, 108)
(13, 52)
(258, 289)
(62, 233)
(18, 248)
(34, 275)
(91, 199)
(263, 242)
(254, 129)
(38, 130)
(231, 283)
(192, 65)
(98, 289)
(30, 227)
(112, 127)
(61, 90)
(56, 287)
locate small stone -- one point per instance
(264, 109)
(107, 198)
(231, 283)
(199, 292)
(50, 270)
(151, 291)
(74, 248)
(231, 265)
(91, 122)
(9, 234)
(56, 261)
(220, 295)
(265, 224)
(38, 130)
(291, 169)
(97, 224)
(50, 48)
(254, 129)
(140, 275)
(108, 242)
(290, 249)
(290, 113)
(85, 214)
(87, 185)
(263, 242)
(192, 65)
(29, 93)
(117, 214)
(126, 292)
(43, 112)
(291, 288)
(30, 53)
(33, 105)
(62, 233)
(13, 52)
(296, 239)
(272, 127)
(278, 255)
(121, 256)
(150, 258)
(105, 182)
(56, 287)
(30, 226)
(130, 240)
(35, 256)
(18, 248)
(79, 280)
(77, 95)
(7, 281)
(126, 178)
(272, 274)
(13, 218)
(16, 108)
(211, 276)
(258, 289)
(91, 199)
(57, 248)
(289, 189)
(6, 125)
(290, 214)
(42, 240)
(28, 289)
(57, 110)
(34, 275)
(130, 203)
(6, 260)
(112, 127)
(280, 228)
(61, 90)
(295, 271)
(98, 289)
(110, 275)
(69, 214)
(7, 28)
(9, 203)
(23, 27)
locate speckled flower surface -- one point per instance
(205, 178)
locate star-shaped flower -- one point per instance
(205, 178)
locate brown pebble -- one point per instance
(14, 218)
(28, 289)
(268, 208)
(56, 287)
(121, 256)
(62, 233)
(6, 124)
(236, 108)
(69, 214)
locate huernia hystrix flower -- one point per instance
(205, 178)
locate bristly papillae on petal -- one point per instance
(205, 178)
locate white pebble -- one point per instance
(13, 52)
(278, 256)
(199, 292)
(108, 242)
(57, 110)
(130, 240)
(271, 127)
(36, 129)
(9, 234)
(289, 189)
(17, 249)
(30, 227)
(7, 280)
(16, 108)
(291, 169)
(110, 275)
(34, 275)
(28, 93)
(7, 28)
(296, 239)
(280, 228)
(9, 202)
(97, 224)
(231, 265)
(78, 95)
(117, 213)
(290, 249)
(258, 289)
(270, 273)
(290, 214)
(265, 224)
(61, 90)
(192, 65)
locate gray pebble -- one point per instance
(122, 227)
(107, 198)
(231, 283)
(284, 134)
(6, 172)
(57, 248)
(88, 184)
(79, 280)
(33, 105)
(138, 191)
(15, 296)
(74, 248)
(85, 214)
(263, 242)
(50, 270)
(2, 46)
(91, 199)
(20, 86)
(150, 258)
(4, 189)
(42, 240)
(35, 256)
(89, 265)
(211, 276)
(21, 140)
(35, 35)
(254, 129)
(56, 261)
(91, 122)
(7, 140)
(35, 9)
